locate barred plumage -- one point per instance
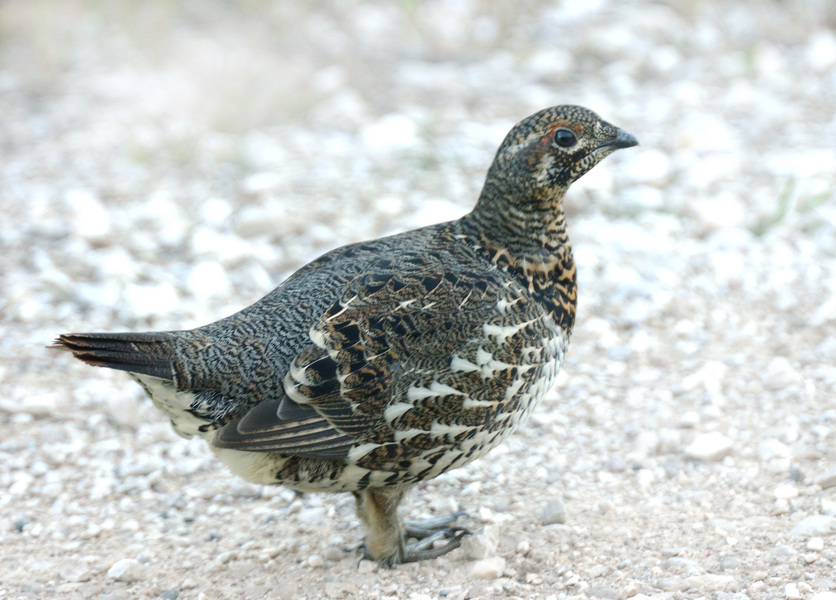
(389, 362)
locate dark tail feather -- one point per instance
(144, 353)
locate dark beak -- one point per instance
(622, 140)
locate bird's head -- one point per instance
(545, 153)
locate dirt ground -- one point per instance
(163, 164)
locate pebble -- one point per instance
(628, 591)
(483, 545)
(814, 525)
(367, 566)
(791, 592)
(773, 448)
(616, 464)
(208, 279)
(554, 512)
(126, 569)
(709, 447)
(390, 132)
(824, 596)
(815, 544)
(171, 594)
(75, 571)
(603, 592)
(487, 568)
(785, 492)
(827, 480)
(334, 554)
(315, 561)
(649, 166)
(123, 410)
(91, 219)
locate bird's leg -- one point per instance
(386, 541)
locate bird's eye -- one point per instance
(565, 138)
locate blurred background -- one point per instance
(164, 163)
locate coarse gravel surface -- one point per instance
(163, 164)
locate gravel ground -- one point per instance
(164, 164)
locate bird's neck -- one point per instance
(532, 244)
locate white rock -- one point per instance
(41, 405)
(649, 166)
(483, 545)
(772, 448)
(123, 410)
(785, 491)
(315, 561)
(791, 592)
(827, 480)
(208, 279)
(815, 544)
(261, 183)
(553, 512)
(628, 591)
(141, 466)
(824, 596)
(391, 132)
(146, 300)
(126, 569)
(821, 51)
(814, 525)
(215, 211)
(709, 447)
(488, 568)
(91, 220)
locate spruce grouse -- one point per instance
(385, 363)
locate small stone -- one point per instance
(709, 447)
(315, 561)
(815, 544)
(689, 419)
(824, 596)
(773, 448)
(123, 410)
(483, 545)
(616, 464)
(683, 565)
(650, 166)
(126, 569)
(827, 480)
(367, 566)
(488, 568)
(815, 525)
(334, 554)
(811, 557)
(554, 512)
(785, 491)
(75, 571)
(171, 595)
(91, 220)
(791, 592)
(628, 591)
(391, 132)
(207, 279)
(604, 592)
(523, 548)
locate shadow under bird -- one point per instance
(385, 363)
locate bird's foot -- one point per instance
(426, 535)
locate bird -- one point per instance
(385, 363)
